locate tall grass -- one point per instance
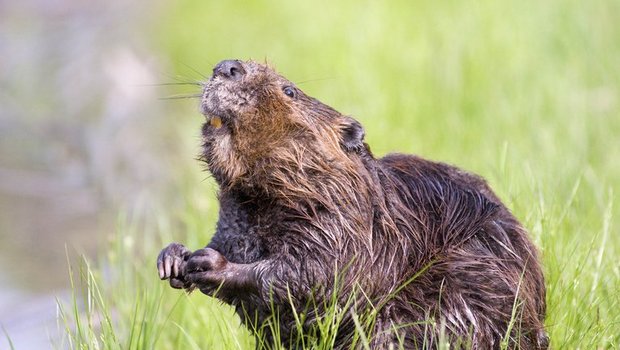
(524, 93)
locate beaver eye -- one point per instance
(289, 91)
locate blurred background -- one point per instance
(97, 120)
(84, 137)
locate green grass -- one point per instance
(525, 93)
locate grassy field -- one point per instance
(525, 93)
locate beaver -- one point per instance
(308, 212)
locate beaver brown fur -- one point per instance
(306, 210)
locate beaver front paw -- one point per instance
(206, 268)
(171, 265)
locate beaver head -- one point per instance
(261, 128)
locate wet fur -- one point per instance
(301, 196)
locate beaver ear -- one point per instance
(352, 134)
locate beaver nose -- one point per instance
(229, 69)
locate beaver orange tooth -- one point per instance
(216, 122)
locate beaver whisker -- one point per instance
(180, 97)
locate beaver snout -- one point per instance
(229, 69)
